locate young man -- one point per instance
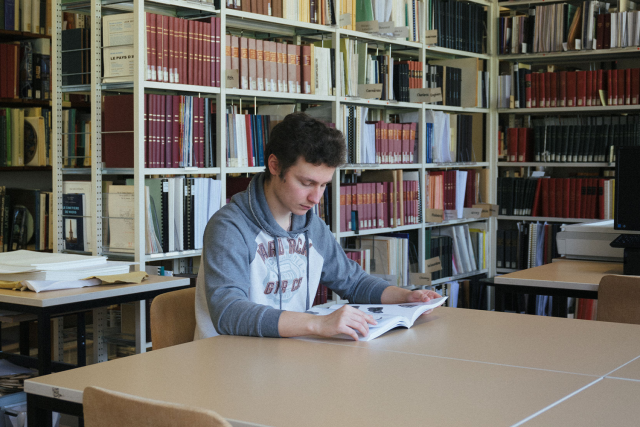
(266, 252)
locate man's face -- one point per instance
(302, 186)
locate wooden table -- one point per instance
(560, 279)
(46, 305)
(454, 367)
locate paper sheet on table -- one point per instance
(135, 277)
(56, 285)
(8, 368)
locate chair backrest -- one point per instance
(173, 318)
(619, 299)
(106, 408)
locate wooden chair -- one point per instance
(619, 299)
(106, 408)
(173, 318)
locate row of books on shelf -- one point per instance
(557, 197)
(30, 16)
(455, 190)
(178, 50)
(460, 25)
(179, 131)
(589, 25)
(526, 246)
(522, 88)
(26, 220)
(76, 138)
(452, 137)
(569, 139)
(377, 141)
(26, 69)
(25, 137)
(176, 213)
(381, 199)
(280, 67)
(313, 12)
(391, 256)
(461, 249)
(247, 136)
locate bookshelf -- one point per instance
(594, 114)
(237, 22)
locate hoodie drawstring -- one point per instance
(276, 242)
(306, 245)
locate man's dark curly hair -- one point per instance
(302, 135)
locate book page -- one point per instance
(121, 211)
(409, 311)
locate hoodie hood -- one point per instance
(253, 204)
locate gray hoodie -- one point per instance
(244, 283)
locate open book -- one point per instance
(388, 316)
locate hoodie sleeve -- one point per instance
(345, 276)
(226, 257)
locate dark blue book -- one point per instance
(73, 221)
(260, 141)
(9, 15)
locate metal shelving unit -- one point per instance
(260, 25)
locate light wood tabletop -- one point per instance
(67, 296)
(455, 367)
(563, 274)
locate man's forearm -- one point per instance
(295, 324)
(394, 295)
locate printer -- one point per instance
(590, 241)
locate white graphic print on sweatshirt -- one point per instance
(292, 258)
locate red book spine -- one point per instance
(621, 90)
(552, 197)
(163, 130)
(589, 92)
(159, 56)
(614, 87)
(168, 122)
(172, 49)
(149, 50)
(541, 90)
(578, 193)
(184, 76)
(571, 88)
(199, 53)
(146, 125)
(627, 86)
(175, 149)
(208, 49)
(562, 77)
(607, 31)
(522, 144)
(535, 211)
(600, 31)
(581, 88)
(218, 52)
(559, 197)
(553, 86)
(600, 197)
(545, 184)
(202, 132)
(566, 193)
(572, 198)
(548, 79)
(191, 39)
(165, 49)
(155, 141)
(594, 88)
(635, 86)
(584, 196)
(512, 152)
(527, 90)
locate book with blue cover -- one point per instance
(73, 210)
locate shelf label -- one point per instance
(488, 209)
(345, 19)
(431, 37)
(472, 213)
(401, 32)
(232, 79)
(386, 27)
(420, 279)
(450, 214)
(436, 94)
(434, 215)
(420, 95)
(433, 264)
(368, 26)
(373, 91)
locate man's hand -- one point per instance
(346, 320)
(422, 296)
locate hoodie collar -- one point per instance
(254, 203)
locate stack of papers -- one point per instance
(29, 265)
